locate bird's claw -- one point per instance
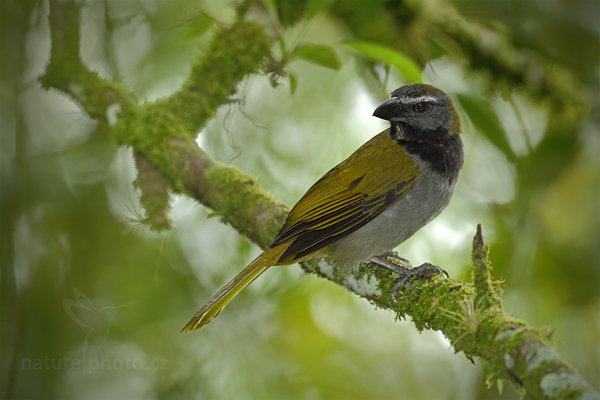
(423, 271)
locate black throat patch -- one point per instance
(442, 151)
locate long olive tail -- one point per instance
(231, 289)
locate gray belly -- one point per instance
(427, 198)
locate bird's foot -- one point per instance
(423, 271)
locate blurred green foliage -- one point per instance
(92, 300)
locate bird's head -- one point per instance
(419, 110)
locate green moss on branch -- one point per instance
(232, 195)
(234, 53)
(154, 196)
(470, 315)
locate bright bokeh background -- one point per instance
(93, 301)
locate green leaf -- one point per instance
(500, 385)
(197, 26)
(387, 55)
(319, 54)
(293, 82)
(485, 120)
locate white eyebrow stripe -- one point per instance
(413, 100)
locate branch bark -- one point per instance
(162, 134)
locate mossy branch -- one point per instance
(422, 28)
(469, 314)
(154, 196)
(234, 52)
(156, 129)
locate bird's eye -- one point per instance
(421, 106)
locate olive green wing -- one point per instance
(347, 197)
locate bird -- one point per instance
(378, 197)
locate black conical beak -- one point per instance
(388, 109)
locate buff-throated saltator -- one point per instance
(374, 200)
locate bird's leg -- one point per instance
(399, 264)
(407, 273)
